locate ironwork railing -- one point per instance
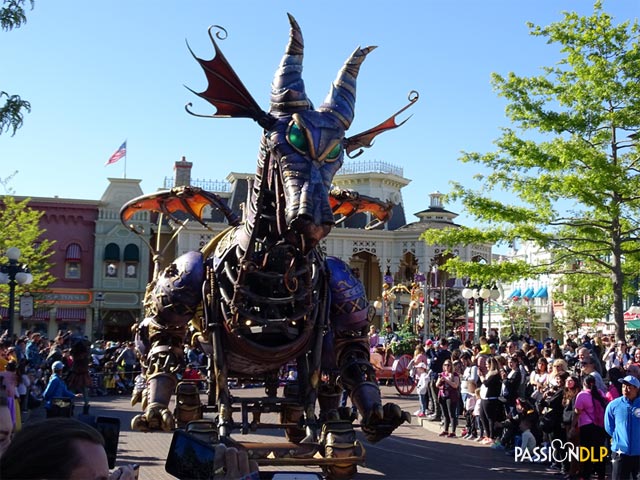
(208, 185)
(370, 166)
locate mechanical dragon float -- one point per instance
(262, 294)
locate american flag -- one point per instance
(118, 154)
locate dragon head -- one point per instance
(307, 144)
(302, 147)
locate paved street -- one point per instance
(414, 452)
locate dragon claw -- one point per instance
(381, 421)
(153, 419)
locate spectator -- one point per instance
(570, 422)
(10, 381)
(6, 425)
(538, 379)
(374, 337)
(448, 397)
(623, 428)
(590, 408)
(511, 384)
(60, 448)
(79, 379)
(422, 387)
(441, 355)
(56, 388)
(20, 350)
(528, 441)
(589, 368)
(490, 407)
(33, 354)
(470, 377)
(471, 430)
(615, 387)
(129, 359)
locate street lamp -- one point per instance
(13, 273)
(98, 329)
(479, 295)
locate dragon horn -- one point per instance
(287, 90)
(341, 99)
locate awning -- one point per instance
(65, 314)
(131, 253)
(112, 253)
(516, 294)
(628, 316)
(74, 252)
(633, 325)
(528, 293)
(39, 314)
(541, 293)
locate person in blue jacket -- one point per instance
(622, 423)
(56, 388)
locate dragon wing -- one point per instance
(365, 139)
(347, 203)
(189, 200)
(225, 90)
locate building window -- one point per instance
(131, 270)
(73, 256)
(111, 270)
(111, 260)
(131, 260)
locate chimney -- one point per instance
(182, 172)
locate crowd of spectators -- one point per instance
(519, 393)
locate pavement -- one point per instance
(149, 450)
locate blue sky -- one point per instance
(97, 73)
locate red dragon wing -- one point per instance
(348, 203)
(365, 139)
(188, 200)
(225, 90)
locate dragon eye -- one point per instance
(335, 152)
(296, 138)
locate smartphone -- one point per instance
(189, 457)
(109, 427)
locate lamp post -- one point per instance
(479, 295)
(98, 329)
(13, 273)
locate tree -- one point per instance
(571, 160)
(20, 228)
(12, 15)
(585, 298)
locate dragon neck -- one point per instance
(264, 219)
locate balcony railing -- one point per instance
(370, 166)
(208, 185)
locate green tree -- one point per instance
(585, 298)
(20, 228)
(12, 15)
(570, 162)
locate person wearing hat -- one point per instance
(56, 388)
(622, 423)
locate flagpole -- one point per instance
(125, 158)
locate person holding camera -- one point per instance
(448, 385)
(60, 448)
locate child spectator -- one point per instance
(422, 387)
(469, 406)
(479, 427)
(528, 441)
